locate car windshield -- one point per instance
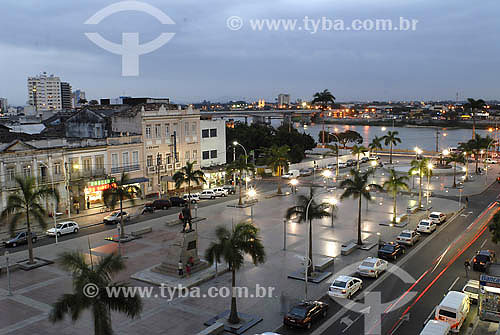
(388, 248)
(115, 214)
(482, 258)
(424, 223)
(471, 289)
(434, 216)
(405, 235)
(298, 312)
(368, 264)
(339, 283)
(448, 314)
(58, 226)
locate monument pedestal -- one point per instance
(184, 248)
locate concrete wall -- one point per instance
(210, 143)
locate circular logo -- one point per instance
(90, 290)
(234, 22)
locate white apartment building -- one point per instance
(44, 92)
(213, 143)
(171, 137)
(283, 100)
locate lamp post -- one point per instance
(486, 163)
(327, 174)
(252, 194)
(284, 233)
(332, 202)
(429, 168)
(235, 143)
(8, 272)
(54, 208)
(337, 154)
(294, 182)
(418, 152)
(67, 177)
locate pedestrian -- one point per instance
(88, 203)
(466, 201)
(467, 268)
(188, 270)
(181, 268)
(183, 220)
(77, 207)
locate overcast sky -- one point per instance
(454, 49)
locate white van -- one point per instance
(453, 309)
(434, 327)
(291, 174)
(208, 194)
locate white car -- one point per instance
(115, 217)
(490, 161)
(374, 158)
(437, 217)
(220, 192)
(63, 228)
(345, 287)
(408, 237)
(342, 165)
(208, 194)
(195, 197)
(471, 288)
(426, 226)
(372, 267)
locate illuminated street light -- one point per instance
(294, 182)
(384, 128)
(333, 202)
(327, 173)
(373, 163)
(252, 193)
(446, 152)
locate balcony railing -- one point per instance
(133, 167)
(84, 173)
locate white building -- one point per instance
(3, 106)
(213, 142)
(283, 100)
(44, 92)
(76, 96)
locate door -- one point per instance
(64, 229)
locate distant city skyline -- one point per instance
(453, 49)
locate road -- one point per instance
(436, 264)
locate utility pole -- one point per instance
(158, 166)
(437, 140)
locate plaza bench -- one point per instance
(215, 329)
(346, 249)
(142, 231)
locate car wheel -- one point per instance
(14, 245)
(33, 240)
(309, 325)
(395, 257)
(58, 234)
(75, 231)
(325, 313)
(376, 274)
(212, 198)
(349, 296)
(403, 251)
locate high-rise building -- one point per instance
(78, 96)
(66, 102)
(44, 92)
(283, 100)
(3, 106)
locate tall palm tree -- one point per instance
(358, 150)
(240, 166)
(420, 167)
(316, 211)
(119, 191)
(188, 175)
(391, 139)
(474, 105)
(358, 187)
(494, 228)
(323, 99)
(277, 159)
(395, 184)
(479, 144)
(466, 149)
(102, 304)
(375, 144)
(232, 246)
(454, 158)
(26, 204)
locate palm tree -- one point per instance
(241, 166)
(316, 211)
(323, 99)
(358, 187)
(101, 304)
(358, 150)
(494, 228)
(420, 167)
(26, 203)
(188, 175)
(454, 158)
(392, 140)
(474, 105)
(466, 149)
(394, 185)
(334, 149)
(277, 160)
(478, 144)
(119, 191)
(376, 144)
(232, 246)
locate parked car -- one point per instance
(303, 314)
(220, 192)
(391, 250)
(63, 228)
(372, 267)
(291, 174)
(471, 288)
(490, 161)
(331, 166)
(208, 194)
(374, 158)
(437, 217)
(162, 204)
(342, 165)
(148, 208)
(306, 172)
(483, 259)
(20, 238)
(230, 189)
(426, 226)
(345, 287)
(435, 327)
(364, 159)
(194, 197)
(177, 201)
(408, 237)
(351, 162)
(115, 217)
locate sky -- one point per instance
(453, 49)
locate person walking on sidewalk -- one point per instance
(466, 201)
(181, 268)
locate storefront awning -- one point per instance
(137, 180)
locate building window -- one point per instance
(186, 128)
(213, 154)
(125, 159)
(135, 159)
(27, 171)
(169, 159)
(87, 164)
(205, 133)
(99, 162)
(195, 154)
(158, 130)
(213, 132)
(11, 174)
(57, 168)
(187, 155)
(205, 154)
(159, 159)
(114, 161)
(149, 160)
(167, 130)
(148, 131)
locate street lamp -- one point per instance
(327, 174)
(252, 193)
(67, 176)
(54, 208)
(235, 143)
(418, 152)
(429, 167)
(333, 202)
(294, 182)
